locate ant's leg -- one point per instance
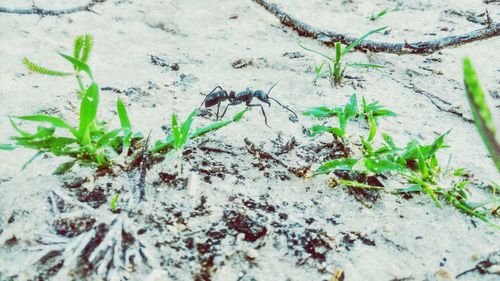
(224, 113)
(217, 87)
(263, 112)
(218, 107)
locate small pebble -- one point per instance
(252, 253)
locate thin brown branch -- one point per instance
(35, 10)
(423, 47)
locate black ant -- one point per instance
(219, 95)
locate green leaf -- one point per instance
(317, 130)
(33, 67)
(122, 114)
(176, 132)
(21, 132)
(8, 147)
(481, 112)
(351, 108)
(366, 65)
(186, 127)
(338, 52)
(360, 39)
(388, 140)
(64, 167)
(358, 184)
(38, 154)
(316, 52)
(373, 127)
(54, 121)
(412, 188)
(320, 112)
(337, 164)
(422, 166)
(88, 109)
(377, 166)
(113, 202)
(79, 65)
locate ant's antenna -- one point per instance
(285, 107)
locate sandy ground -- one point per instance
(240, 217)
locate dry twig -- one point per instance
(35, 10)
(423, 47)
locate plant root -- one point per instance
(35, 10)
(423, 47)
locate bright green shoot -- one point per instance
(180, 134)
(345, 114)
(89, 143)
(82, 47)
(114, 201)
(336, 66)
(381, 13)
(481, 112)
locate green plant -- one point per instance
(381, 13)
(90, 143)
(114, 200)
(350, 110)
(336, 66)
(181, 134)
(82, 46)
(481, 112)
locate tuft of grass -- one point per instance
(345, 114)
(336, 66)
(481, 112)
(90, 143)
(181, 134)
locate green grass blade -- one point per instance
(366, 65)
(38, 154)
(64, 167)
(360, 39)
(186, 127)
(7, 147)
(358, 184)
(316, 52)
(79, 65)
(337, 164)
(114, 200)
(122, 114)
(320, 112)
(176, 132)
(338, 52)
(33, 67)
(88, 108)
(373, 127)
(481, 112)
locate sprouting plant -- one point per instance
(336, 66)
(181, 134)
(346, 113)
(89, 143)
(381, 13)
(481, 112)
(114, 200)
(82, 47)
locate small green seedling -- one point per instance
(481, 112)
(381, 13)
(90, 143)
(350, 110)
(180, 135)
(114, 201)
(82, 47)
(336, 67)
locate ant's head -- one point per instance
(262, 96)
